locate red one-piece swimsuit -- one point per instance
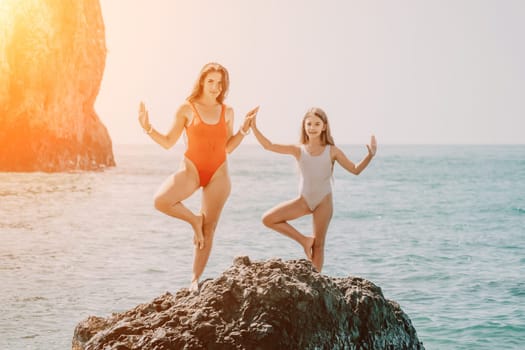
(206, 144)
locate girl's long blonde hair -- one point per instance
(326, 135)
(225, 83)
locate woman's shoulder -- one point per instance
(229, 109)
(186, 106)
(228, 113)
(185, 111)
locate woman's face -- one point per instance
(313, 126)
(212, 84)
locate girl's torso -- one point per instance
(315, 175)
(318, 164)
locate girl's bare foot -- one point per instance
(308, 246)
(198, 236)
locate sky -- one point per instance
(407, 71)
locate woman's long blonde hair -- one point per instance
(326, 135)
(225, 83)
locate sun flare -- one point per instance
(52, 57)
(6, 8)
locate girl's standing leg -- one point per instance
(277, 219)
(321, 219)
(214, 196)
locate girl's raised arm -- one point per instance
(274, 147)
(346, 163)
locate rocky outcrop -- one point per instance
(52, 57)
(272, 304)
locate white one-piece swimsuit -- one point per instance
(315, 176)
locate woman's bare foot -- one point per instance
(194, 287)
(198, 236)
(308, 246)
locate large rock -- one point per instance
(272, 304)
(52, 57)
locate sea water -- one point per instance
(441, 229)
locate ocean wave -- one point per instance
(519, 210)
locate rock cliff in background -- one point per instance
(272, 304)
(52, 57)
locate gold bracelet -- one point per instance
(244, 133)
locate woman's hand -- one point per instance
(253, 123)
(249, 119)
(143, 117)
(372, 148)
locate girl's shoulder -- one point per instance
(334, 151)
(296, 149)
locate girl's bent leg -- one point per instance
(321, 219)
(277, 219)
(214, 196)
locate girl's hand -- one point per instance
(249, 119)
(143, 117)
(372, 148)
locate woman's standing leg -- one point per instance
(321, 219)
(214, 196)
(277, 219)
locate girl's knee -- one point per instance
(267, 220)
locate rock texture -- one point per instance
(52, 57)
(272, 304)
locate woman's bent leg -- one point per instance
(172, 192)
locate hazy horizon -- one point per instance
(425, 72)
(253, 141)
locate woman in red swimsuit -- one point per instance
(208, 124)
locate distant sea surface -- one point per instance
(441, 229)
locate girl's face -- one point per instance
(212, 84)
(314, 126)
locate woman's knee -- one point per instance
(318, 244)
(208, 230)
(161, 203)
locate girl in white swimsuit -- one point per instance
(315, 155)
